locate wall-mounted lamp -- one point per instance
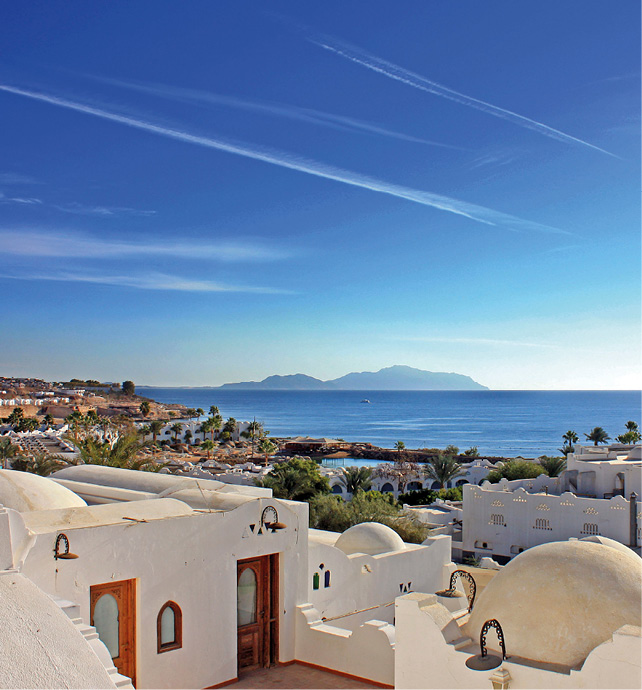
(501, 679)
(66, 554)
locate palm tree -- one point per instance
(16, 415)
(553, 466)
(267, 448)
(155, 428)
(597, 435)
(442, 469)
(48, 420)
(200, 411)
(145, 431)
(230, 426)
(7, 451)
(28, 424)
(399, 446)
(188, 436)
(122, 453)
(632, 434)
(217, 421)
(207, 427)
(144, 408)
(570, 438)
(214, 411)
(208, 445)
(356, 479)
(176, 429)
(73, 421)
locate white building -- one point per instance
(592, 497)
(473, 472)
(174, 582)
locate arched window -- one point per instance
(413, 486)
(387, 488)
(337, 489)
(169, 627)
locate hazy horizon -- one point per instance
(244, 190)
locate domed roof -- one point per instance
(556, 602)
(605, 541)
(371, 538)
(41, 647)
(23, 491)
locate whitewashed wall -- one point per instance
(359, 581)
(507, 521)
(431, 652)
(190, 560)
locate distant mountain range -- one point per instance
(395, 378)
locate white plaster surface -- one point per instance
(23, 491)
(39, 645)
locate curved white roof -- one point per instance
(371, 538)
(45, 521)
(39, 645)
(151, 482)
(556, 602)
(23, 491)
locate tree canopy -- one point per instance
(128, 388)
(297, 479)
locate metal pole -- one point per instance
(633, 512)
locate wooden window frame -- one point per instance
(178, 628)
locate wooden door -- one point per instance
(113, 614)
(257, 612)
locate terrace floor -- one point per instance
(295, 676)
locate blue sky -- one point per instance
(195, 193)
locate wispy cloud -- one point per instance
(101, 211)
(39, 243)
(16, 178)
(31, 201)
(293, 162)
(292, 112)
(148, 281)
(417, 81)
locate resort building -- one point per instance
(116, 578)
(596, 495)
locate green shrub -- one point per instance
(515, 468)
(332, 513)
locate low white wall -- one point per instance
(509, 520)
(431, 652)
(366, 652)
(359, 581)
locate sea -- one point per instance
(498, 423)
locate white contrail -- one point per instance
(292, 112)
(462, 208)
(415, 80)
(54, 244)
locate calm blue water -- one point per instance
(508, 423)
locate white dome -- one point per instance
(371, 538)
(556, 602)
(605, 541)
(40, 647)
(23, 491)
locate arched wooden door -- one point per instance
(113, 614)
(257, 612)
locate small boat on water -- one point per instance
(365, 400)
